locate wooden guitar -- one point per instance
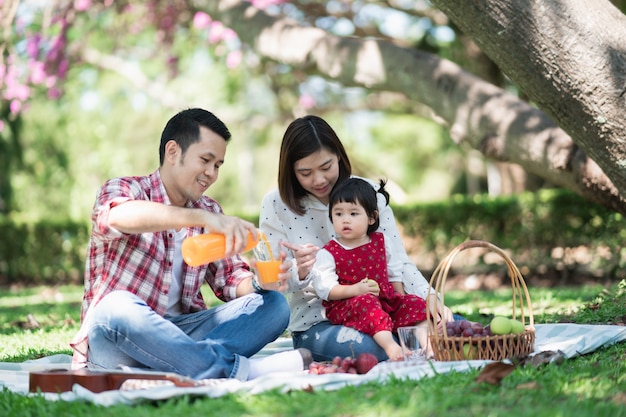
(97, 381)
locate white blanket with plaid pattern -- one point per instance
(570, 339)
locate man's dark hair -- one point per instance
(184, 129)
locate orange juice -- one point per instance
(268, 271)
(209, 247)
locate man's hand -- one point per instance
(234, 229)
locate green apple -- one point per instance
(500, 325)
(371, 280)
(517, 327)
(469, 351)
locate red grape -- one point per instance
(347, 365)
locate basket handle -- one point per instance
(438, 279)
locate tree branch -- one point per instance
(488, 118)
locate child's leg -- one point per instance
(385, 340)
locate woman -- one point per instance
(312, 160)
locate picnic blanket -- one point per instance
(568, 339)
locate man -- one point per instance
(142, 305)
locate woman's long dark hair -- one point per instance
(303, 137)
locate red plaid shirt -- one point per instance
(142, 263)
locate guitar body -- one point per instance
(95, 381)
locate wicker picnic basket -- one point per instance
(497, 347)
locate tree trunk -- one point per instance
(569, 58)
(491, 120)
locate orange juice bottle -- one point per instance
(209, 247)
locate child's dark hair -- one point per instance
(359, 191)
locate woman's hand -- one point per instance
(438, 310)
(304, 256)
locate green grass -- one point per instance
(591, 385)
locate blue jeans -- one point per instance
(326, 340)
(213, 343)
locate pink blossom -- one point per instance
(32, 46)
(22, 92)
(233, 59)
(82, 5)
(55, 61)
(306, 101)
(172, 66)
(166, 22)
(57, 48)
(216, 32)
(14, 88)
(62, 70)
(228, 34)
(262, 4)
(37, 72)
(54, 93)
(51, 80)
(201, 20)
(15, 106)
